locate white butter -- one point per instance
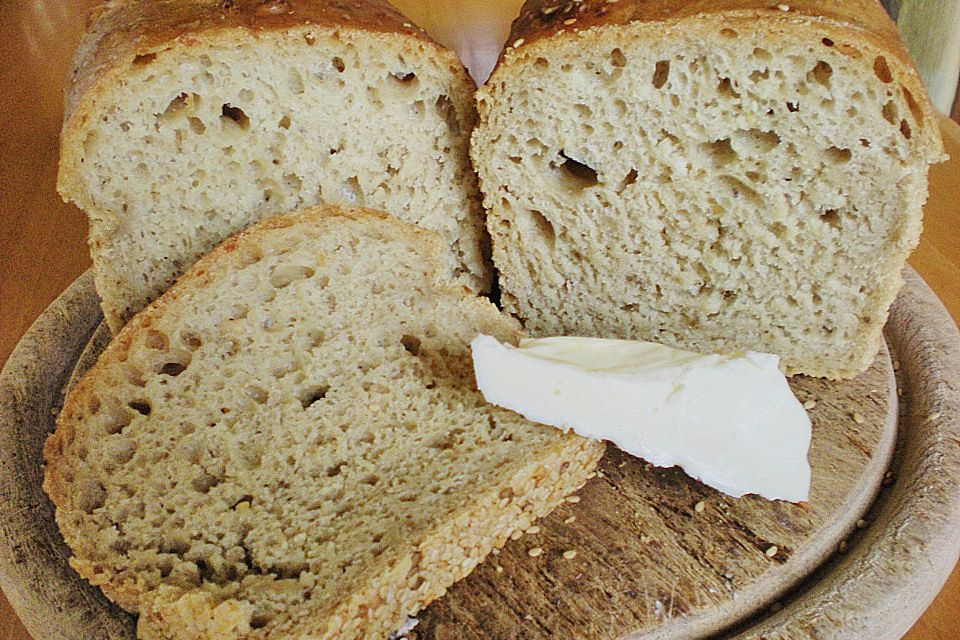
(731, 422)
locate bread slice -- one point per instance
(715, 176)
(289, 443)
(188, 120)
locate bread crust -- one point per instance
(856, 26)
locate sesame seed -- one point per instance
(858, 418)
(516, 535)
(809, 404)
(843, 546)
(518, 42)
(896, 365)
(533, 553)
(533, 529)
(573, 499)
(569, 21)
(407, 25)
(861, 523)
(934, 416)
(772, 551)
(622, 464)
(499, 569)
(591, 475)
(570, 554)
(700, 506)
(783, 7)
(644, 538)
(570, 520)
(548, 10)
(495, 552)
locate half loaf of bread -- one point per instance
(726, 176)
(188, 120)
(289, 443)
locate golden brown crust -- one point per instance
(858, 27)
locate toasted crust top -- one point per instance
(859, 28)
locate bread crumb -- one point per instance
(536, 551)
(499, 569)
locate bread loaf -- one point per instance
(289, 443)
(722, 176)
(187, 120)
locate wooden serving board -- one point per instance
(657, 554)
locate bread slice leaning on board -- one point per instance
(187, 121)
(734, 175)
(290, 443)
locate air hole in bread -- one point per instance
(191, 340)
(831, 217)
(719, 153)
(890, 112)
(837, 155)
(282, 276)
(729, 33)
(793, 107)
(140, 406)
(257, 393)
(314, 394)
(411, 344)
(882, 70)
(337, 63)
(535, 226)
(741, 190)
(116, 419)
(310, 39)
(260, 619)
(172, 369)
(575, 175)
(661, 73)
(905, 129)
(629, 179)
(196, 125)
(144, 59)
(295, 82)
(285, 122)
(231, 115)
(827, 42)
(726, 90)
(407, 78)
(821, 73)
(541, 63)
(371, 479)
(90, 496)
(157, 340)
(204, 482)
(912, 105)
(617, 59)
(761, 54)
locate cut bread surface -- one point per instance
(719, 181)
(209, 119)
(289, 443)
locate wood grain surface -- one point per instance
(41, 240)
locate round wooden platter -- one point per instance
(657, 554)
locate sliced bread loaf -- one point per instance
(717, 176)
(188, 120)
(289, 443)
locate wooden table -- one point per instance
(42, 246)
